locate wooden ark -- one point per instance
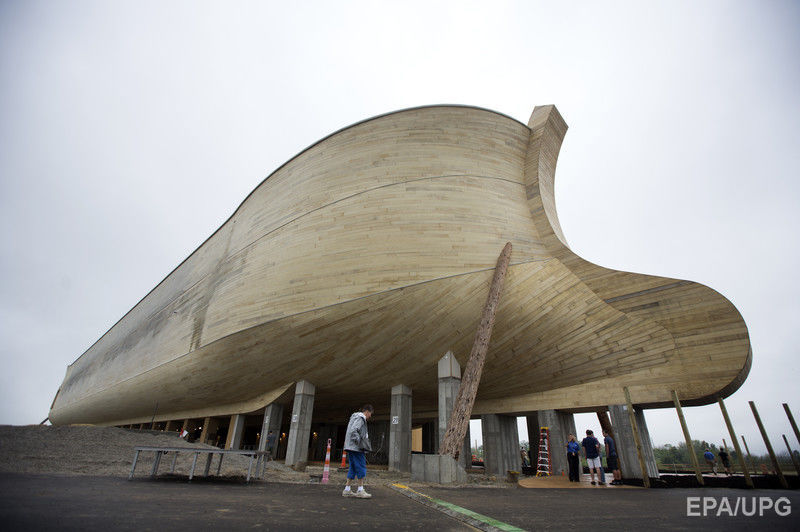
(361, 261)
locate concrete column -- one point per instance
(400, 429)
(235, 432)
(449, 383)
(500, 444)
(300, 426)
(273, 417)
(561, 425)
(626, 446)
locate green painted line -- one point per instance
(480, 517)
(473, 518)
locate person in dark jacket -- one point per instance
(725, 458)
(356, 442)
(612, 461)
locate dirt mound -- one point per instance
(107, 451)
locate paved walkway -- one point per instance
(49, 502)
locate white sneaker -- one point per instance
(362, 494)
(347, 493)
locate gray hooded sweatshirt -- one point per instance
(356, 438)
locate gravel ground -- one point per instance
(108, 451)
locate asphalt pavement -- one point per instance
(50, 502)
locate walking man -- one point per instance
(356, 442)
(725, 458)
(611, 458)
(592, 449)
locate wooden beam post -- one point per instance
(637, 439)
(772, 456)
(749, 456)
(791, 420)
(605, 422)
(453, 439)
(739, 455)
(791, 455)
(688, 438)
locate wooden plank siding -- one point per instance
(362, 260)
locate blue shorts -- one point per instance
(358, 465)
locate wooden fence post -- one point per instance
(739, 455)
(772, 456)
(688, 438)
(637, 439)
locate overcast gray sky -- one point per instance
(130, 131)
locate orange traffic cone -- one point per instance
(327, 469)
(344, 460)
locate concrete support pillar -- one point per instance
(400, 429)
(626, 445)
(500, 444)
(561, 425)
(235, 432)
(273, 417)
(300, 426)
(449, 383)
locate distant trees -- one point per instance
(667, 455)
(679, 454)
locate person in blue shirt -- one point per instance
(592, 449)
(573, 459)
(611, 458)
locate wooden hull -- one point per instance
(361, 261)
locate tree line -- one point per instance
(667, 455)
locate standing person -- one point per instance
(710, 460)
(356, 441)
(573, 459)
(592, 449)
(611, 458)
(725, 458)
(271, 445)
